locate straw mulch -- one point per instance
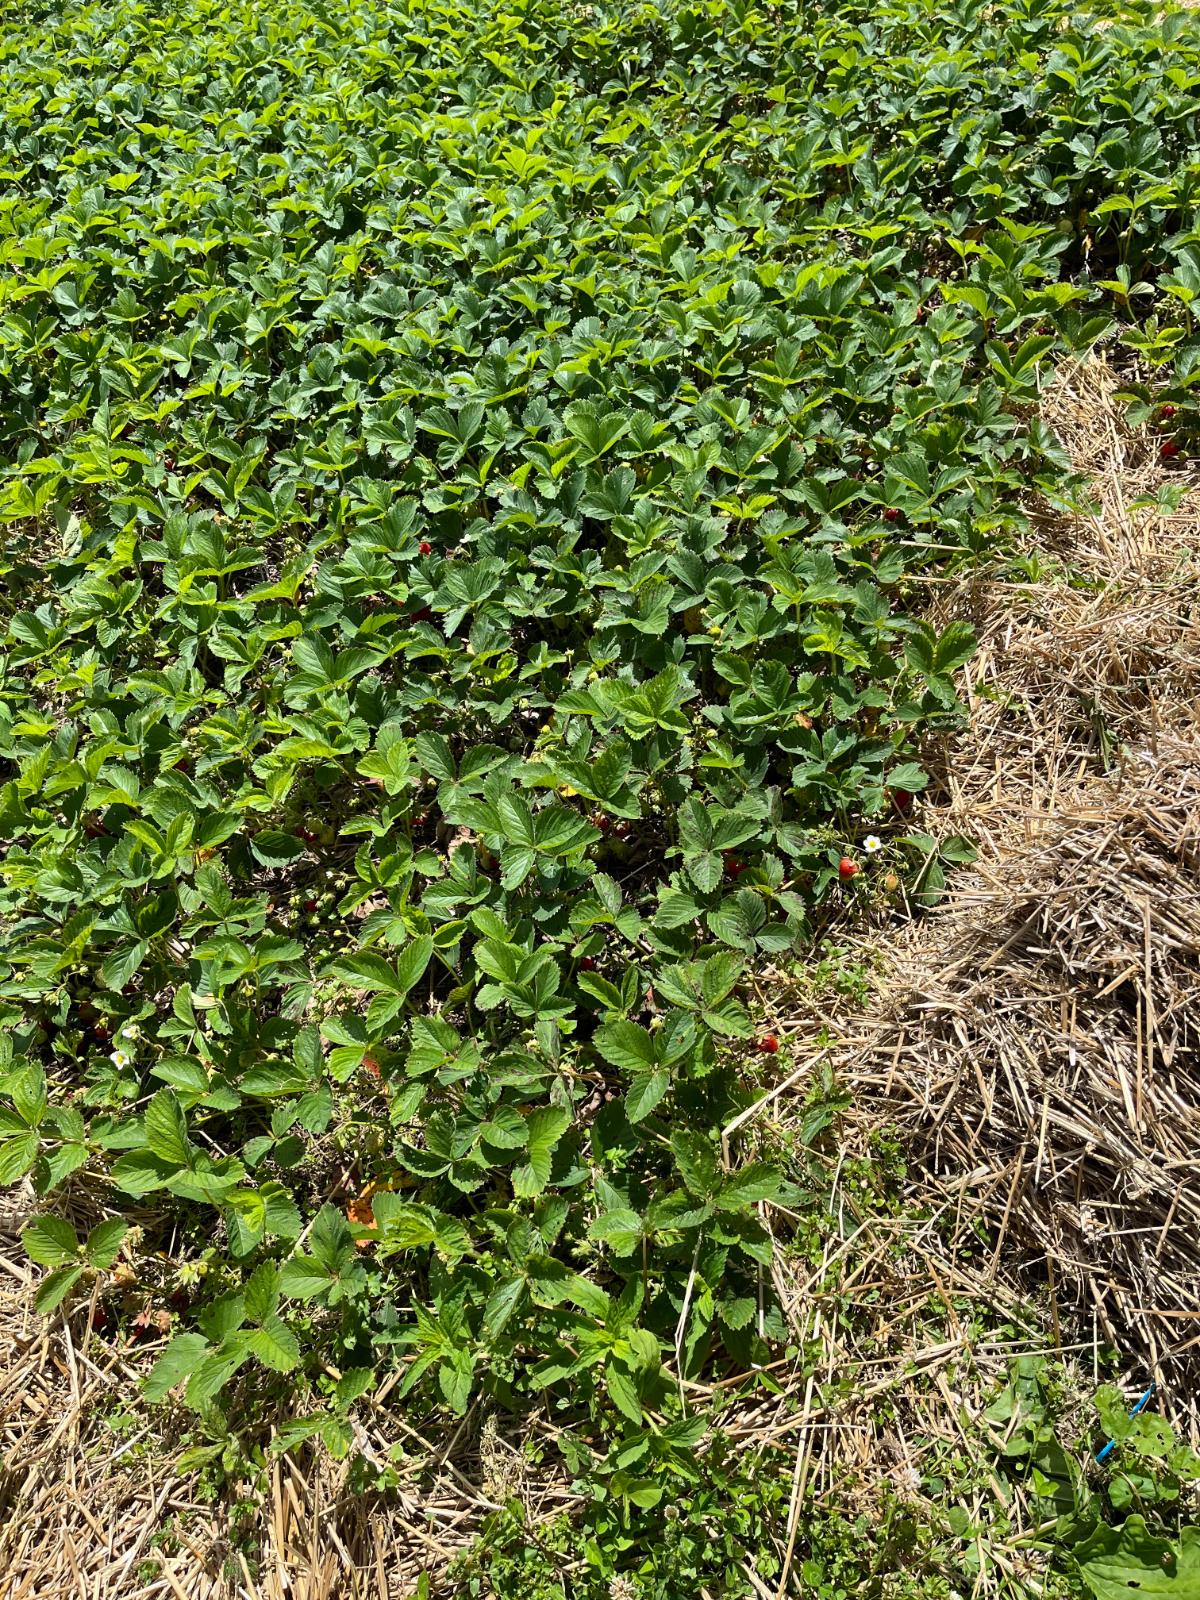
(1044, 1057)
(92, 1509)
(1035, 1042)
(1039, 1039)
(91, 1506)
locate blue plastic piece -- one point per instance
(1140, 1406)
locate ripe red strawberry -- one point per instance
(847, 869)
(420, 820)
(310, 905)
(768, 1044)
(587, 963)
(371, 1065)
(307, 835)
(1166, 411)
(903, 800)
(423, 615)
(733, 867)
(425, 547)
(622, 829)
(183, 765)
(1169, 449)
(598, 819)
(892, 514)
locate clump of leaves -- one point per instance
(663, 1518)
(1119, 1517)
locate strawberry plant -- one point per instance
(465, 476)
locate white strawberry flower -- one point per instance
(872, 844)
(120, 1058)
